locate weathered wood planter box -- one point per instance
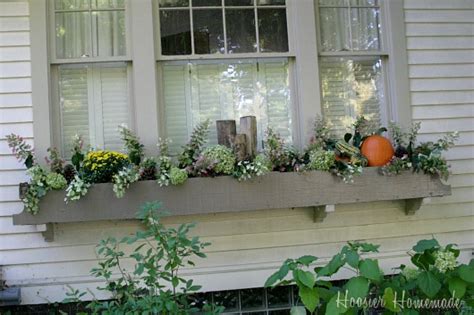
(320, 190)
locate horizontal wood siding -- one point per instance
(248, 246)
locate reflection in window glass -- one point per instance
(173, 3)
(351, 87)
(226, 89)
(238, 2)
(71, 4)
(110, 33)
(365, 26)
(240, 26)
(271, 2)
(108, 4)
(175, 32)
(207, 3)
(272, 30)
(342, 29)
(335, 31)
(93, 102)
(73, 35)
(208, 31)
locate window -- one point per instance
(352, 62)
(196, 27)
(92, 96)
(202, 86)
(226, 89)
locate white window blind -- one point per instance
(351, 85)
(350, 88)
(94, 102)
(201, 90)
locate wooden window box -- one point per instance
(320, 190)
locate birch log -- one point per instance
(248, 127)
(226, 131)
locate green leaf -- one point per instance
(428, 283)
(332, 267)
(369, 268)
(306, 260)
(423, 245)
(305, 277)
(272, 279)
(457, 287)
(309, 297)
(368, 247)
(389, 299)
(284, 269)
(334, 308)
(466, 272)
(298, 310)
(357, 287)
(352, 258)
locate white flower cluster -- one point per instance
(123, 179)
(246, 170)
(76, 189)
(445, 260)
(410, 273)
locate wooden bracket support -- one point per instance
(48, 234)
(320, 212)
(413, 205)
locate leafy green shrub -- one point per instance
(101, 166)
(222, 159)
(282, 157)
(436, 275)
(22, 150)
(56, 181)
(194, 147)
(155, 285)
(321, 160)
(123, 179)
(178, 176)
(135, 149)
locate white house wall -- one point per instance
(247, 247)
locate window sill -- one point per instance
(319, 190)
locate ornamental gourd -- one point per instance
(377, 149)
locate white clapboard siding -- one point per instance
(247, 246)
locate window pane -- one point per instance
(271, 2)
(73, 96)
(240, 26)
(73, 35)
(108, 4)
(93, 103)
(364, 2)
(272, 30)
(335, 29)
(174, 3)
(175, 32)
(226, 90)
(110, 33)
(115, 109)
(208, 31)
(207, 3)
(238, 2)
(71, 4)
(337, 3)
(365, 29)
(351, 87)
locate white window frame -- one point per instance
(143, 42)
(140, 61)
(290, 55)
(393, 54)
(225, 55)
(93, 79)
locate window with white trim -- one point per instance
(91, 68)
(351, 62)
(200, 86)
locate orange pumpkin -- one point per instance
(377, 149)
